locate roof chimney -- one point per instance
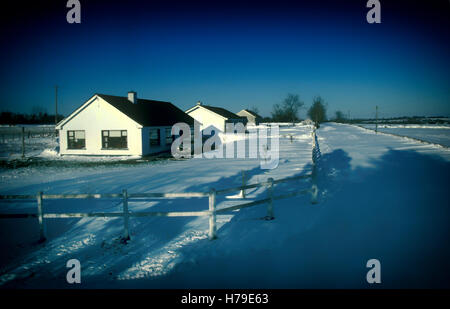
(199, 103)
(132, 96)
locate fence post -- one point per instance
(314, 189)
(126, 234)
(212, 215)
(270, 202)
(23, 142)
(313, 134)
(40, 210)
(243, 184)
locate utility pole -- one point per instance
(376, 119)
(56, 110)
(23, 142)
(56, 105)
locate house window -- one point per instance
(76, 139)
(155, 137)
(169, 136)
(186, 140)
(114, 139)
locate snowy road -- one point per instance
(381, 197)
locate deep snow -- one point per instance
(381, 197)
(436, 134)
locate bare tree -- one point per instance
(340, 117)
(38, 110)
(288, 110)
(254, 110)
(318, 111)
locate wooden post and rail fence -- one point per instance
(24, 135)
(212, 211)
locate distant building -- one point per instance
(307, 122)
(213, 117)
(252, 117)
(113, 125)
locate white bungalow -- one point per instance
(252, 117)
(213, 117)
(112, 125)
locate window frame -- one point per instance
(107, 134)
(168, 136)
(150, 137)
(69, 143)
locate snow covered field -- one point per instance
(39, 141)
(34, 147)
(437, 134)
(381, 197)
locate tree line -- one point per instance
(288, 109)
(11, 118)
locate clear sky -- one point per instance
(230, 54)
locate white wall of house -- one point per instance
(95, 117)
(207, 118)
(250, 118)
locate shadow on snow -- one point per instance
(396, 211)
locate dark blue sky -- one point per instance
(233, 55)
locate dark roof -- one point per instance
(222, 111)
(149, 112)
(253, 113)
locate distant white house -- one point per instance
(252, 117)
(113, 125)
(307, 122)
(213, 117)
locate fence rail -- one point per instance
(30, 131)
(25, 134)
(212, 211)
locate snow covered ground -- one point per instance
(437, 134)
(381, 197)
(40, 146)
(39, 141)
